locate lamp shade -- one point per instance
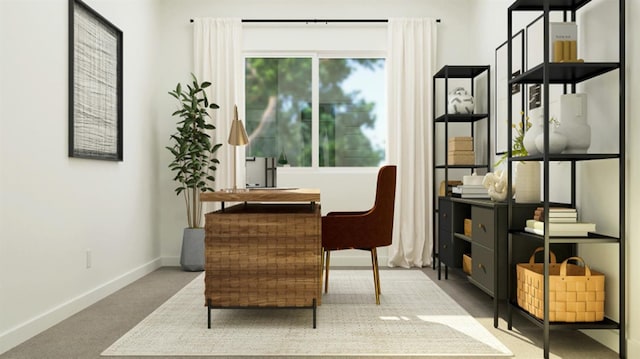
(237, 135)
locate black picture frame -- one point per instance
(503, 89)
(95, 85)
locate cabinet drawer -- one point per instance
(483, 231)
(445, 248)
(445, 214)
(483, 269)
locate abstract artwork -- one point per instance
(95, 85)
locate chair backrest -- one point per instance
(384, 204)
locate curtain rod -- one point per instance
(315, 20)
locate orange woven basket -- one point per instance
(576, 293)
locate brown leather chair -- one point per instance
(365, 230)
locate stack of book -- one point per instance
(563, 222)
(470, 191)
(557, 214)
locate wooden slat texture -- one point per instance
(263, 255)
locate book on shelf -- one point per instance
(556, 219)
(557, 233)
(558, 210)
(471, 195)
(559, 226)
(470, 189)
(557, 214)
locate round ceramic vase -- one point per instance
(557, 142)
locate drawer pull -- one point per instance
(482, 227)
(444, 246)
(482, 267)
(444, 215)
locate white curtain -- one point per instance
(410, 64)
(217, 58)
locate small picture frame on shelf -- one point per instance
(503, 89)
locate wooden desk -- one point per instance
(261, 254)
(264, 195)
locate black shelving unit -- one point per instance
(548, 73)
(445, 74)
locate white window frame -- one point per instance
(315, 98)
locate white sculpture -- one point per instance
(496, 185)
(460, 102)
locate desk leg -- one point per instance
(208, 313)
(314, 313)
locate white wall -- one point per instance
(633, 173)
(176, 59)
(597, 187)
(54, 208)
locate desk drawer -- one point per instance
(483, 229)
(483, 268)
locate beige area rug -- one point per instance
(415, 318)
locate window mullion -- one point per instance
(315, 111)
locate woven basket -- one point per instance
(576, 293)
(468, 224)
(263, 255)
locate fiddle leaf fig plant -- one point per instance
(194, 153)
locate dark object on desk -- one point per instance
(364, 230)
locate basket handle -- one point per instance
(563, 266)
(532, 260)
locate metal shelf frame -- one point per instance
(570, 73)
(447, 72)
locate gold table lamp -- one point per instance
(237, 137)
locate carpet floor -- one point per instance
(415, 318)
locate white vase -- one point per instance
(557, 142)
(529, 139)
(460, 102)
(527, 182)
(573, 122)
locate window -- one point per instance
(345, 127)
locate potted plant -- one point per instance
(194, 164)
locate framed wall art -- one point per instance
(503, 89)
(95, 85)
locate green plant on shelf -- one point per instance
(517, 149)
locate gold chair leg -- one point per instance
(326, 271)
(321, 269)
(376, 274)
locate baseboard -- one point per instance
(363, 260)
(633, 346)
(170, 261)
(355, 261)
(608, 338)
(36, 325)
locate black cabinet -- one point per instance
(569, 75)
(486, 244)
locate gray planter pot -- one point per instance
(192, 254)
